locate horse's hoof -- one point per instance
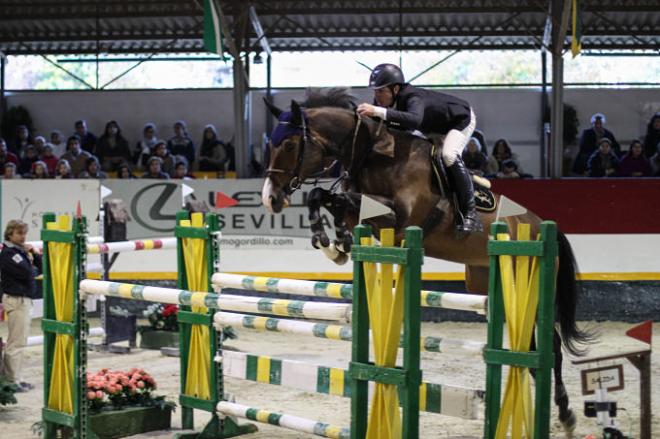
(569, 422)
(341, 258)
(320, 240)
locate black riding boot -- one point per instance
(462, 182)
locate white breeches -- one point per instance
(455, 141)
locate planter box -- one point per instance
(130, 421)
(155, 339)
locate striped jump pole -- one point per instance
(289, 422)
(279, 307)
(131, 246)
(436, 299)
(434, 398)
(337, 332)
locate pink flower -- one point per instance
(140, 385)
(99, 394)
(91, 395)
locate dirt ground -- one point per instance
(16, 420)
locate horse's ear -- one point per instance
(382, 140)
(296, 113)
(273, 108)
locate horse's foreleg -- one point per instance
(317, 198)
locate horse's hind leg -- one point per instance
(566, 415)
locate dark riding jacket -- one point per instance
(427, 111)
(17, 273)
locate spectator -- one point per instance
(181, 143)
(57, 140)
(63, 170)
(39, 170)
(40, 144)
(154, 169)
(31, 156)
(590, 142)
(213, 152)
(10, 172)
(634, 163)
(509, 170)
(49, 158)
(6, 156)
(23, 139)
(473, 158)
(92, 169)
(603, 162)
(112, 147)
(20, 263)
(652, 137)
(145, 147)
(479, 135)
(501, 151)
(167, 159)
(181, 169)
(655, 162)
(87, 139)
(76, 157)
(124, 171)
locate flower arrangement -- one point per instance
(114, 390)
(161, 317)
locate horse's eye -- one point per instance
(289, 145)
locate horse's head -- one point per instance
(294, 157)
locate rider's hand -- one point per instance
(367, 110)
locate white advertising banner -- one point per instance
(28, 200)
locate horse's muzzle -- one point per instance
(273, 199)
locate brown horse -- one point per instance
(395, 167)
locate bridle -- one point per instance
(296, 181)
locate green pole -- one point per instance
(411, 332)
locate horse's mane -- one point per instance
(339, 97)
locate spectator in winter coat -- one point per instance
(23, 139)
(603, 162)
(58, 143)
(39, 171)
(655, 162)
(92, 169)
(49, 158)
(634, 163)
(473, 158)
(76, 157)
(145, 147)
(10, 172)
(31, 156)
(213, 152)
(181, 143)
(652, 138)
(20, 263)
(112, 148)
(181, 169)
(590, 142)
(63, 170)
(154, 169)
(167, 160)
(87, 139)
(501, 151)
(124, 172)
(6, 156)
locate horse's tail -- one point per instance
(568, 291)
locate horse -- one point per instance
(395, 168)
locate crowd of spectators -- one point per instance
(84, 155)
(599, 155)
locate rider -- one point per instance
(407, 107)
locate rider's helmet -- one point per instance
(386, 75)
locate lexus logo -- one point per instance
(155, 213)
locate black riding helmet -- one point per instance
(384, 75)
